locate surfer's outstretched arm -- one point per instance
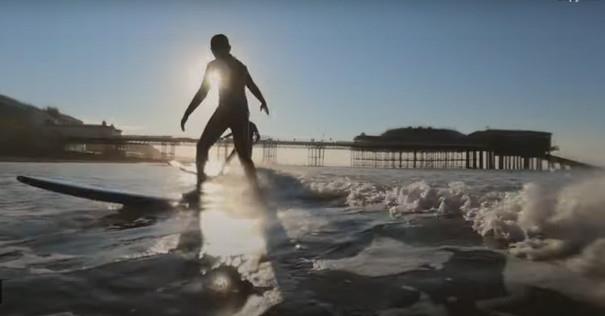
(199, 96)
(256, 91)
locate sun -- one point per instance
(215, 79)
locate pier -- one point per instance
(411, 148)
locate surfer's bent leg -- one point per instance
(214, 129)
(250, 144)
(241, 140)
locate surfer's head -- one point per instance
(219, 44)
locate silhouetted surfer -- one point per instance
(232, 111)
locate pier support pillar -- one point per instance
(269, 152)
(525, 163)
(172, 151)
(481, 159)
(467, 159)
(163, 151)
(414, 164)
(492, 160)
(400, 160)
(540, 164)
(315, 155)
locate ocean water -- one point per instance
(322, 241)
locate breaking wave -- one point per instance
(539, 221)
(416, 197)
(540, 224)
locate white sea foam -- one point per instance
(540, 221)
(559, 227)
(415, 197)
(26, 258)
(544, 223)
(384, 257)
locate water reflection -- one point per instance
(224, 235)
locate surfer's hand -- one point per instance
(183, 121)
(263, 107)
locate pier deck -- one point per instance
(471, 153)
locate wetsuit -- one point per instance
(232, 112)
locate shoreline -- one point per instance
(78, 160)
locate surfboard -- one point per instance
(96, 193)
(182, 167)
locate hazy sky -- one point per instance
(327, 68)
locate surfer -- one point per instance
(254, 138)
(232, 111)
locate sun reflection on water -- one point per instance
(225, 235)
(233, 229)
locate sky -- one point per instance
(328, 69)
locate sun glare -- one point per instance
(215, 79)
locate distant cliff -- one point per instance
(23, 127)
(32, 133)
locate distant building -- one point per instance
(84, 130)
(414, 135)
(514, 142)
(426, 147)
(81, 131)
(501, 142)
